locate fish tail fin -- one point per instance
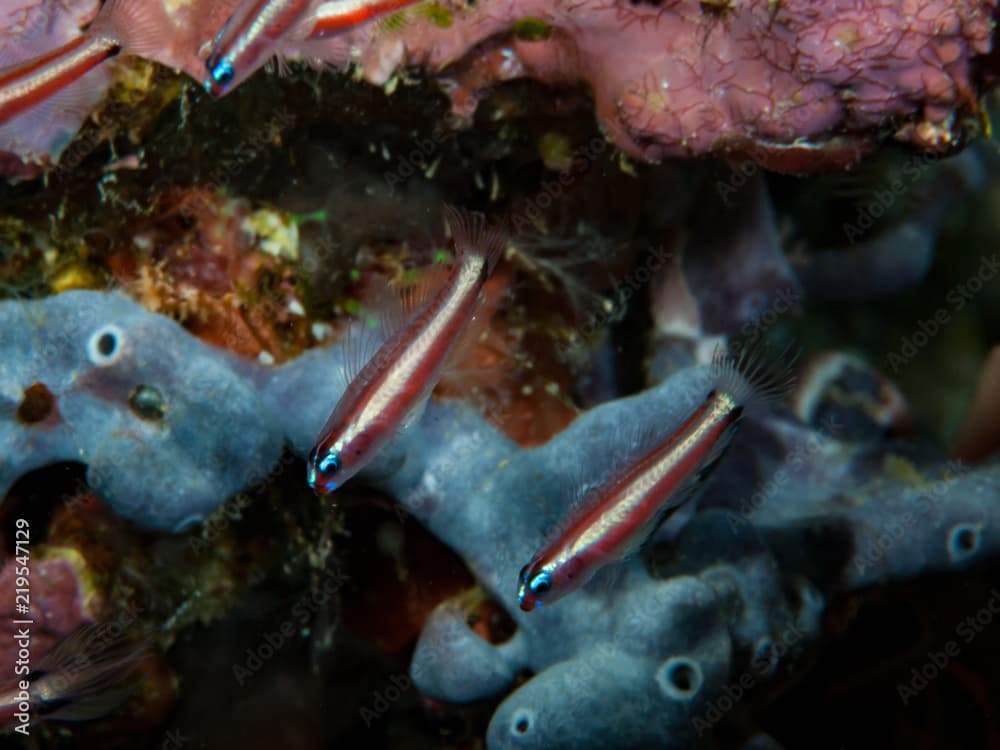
(89, 674)
(754, 378)
(141, 27)
(474, 237)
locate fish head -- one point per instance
(221, 78)
(338, 457)
(534, 587)
(221, 64)
(236, 53)
(323, 470)
(546, 581)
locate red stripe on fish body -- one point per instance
(337, 16)
(636, 503)
(625, 513)
(401, 375)
(27, 85)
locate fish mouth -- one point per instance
(318, 487)
(526, 605)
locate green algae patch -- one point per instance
(556, 151)
(395, 22)
(531, 29)
(437, 15)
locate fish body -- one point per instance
(122, 26)
(29, 84)
(626, 510)
(336, 16)
(248, 39)
(395, 383)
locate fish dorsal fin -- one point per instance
(361, 341)
(755, 377)
(475, 237)
(392, 311)
(413, 298)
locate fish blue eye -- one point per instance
(223, 73)
(541, 584)
(330, 463)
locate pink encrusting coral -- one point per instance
(793, 84)
(60, 596)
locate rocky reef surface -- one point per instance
(743, 593)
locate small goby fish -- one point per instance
(392, 387)
(623, 513)
(248, 39)
(121, 27)
(89, 674)
(335, 16)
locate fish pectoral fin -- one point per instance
(479, 354)
(413, 416)
(396, 305)
(360, 343)
(607, 579)
(391, 311)
(687, 492)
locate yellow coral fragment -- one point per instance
(74, 277)
(556, 151)
(277, 233)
